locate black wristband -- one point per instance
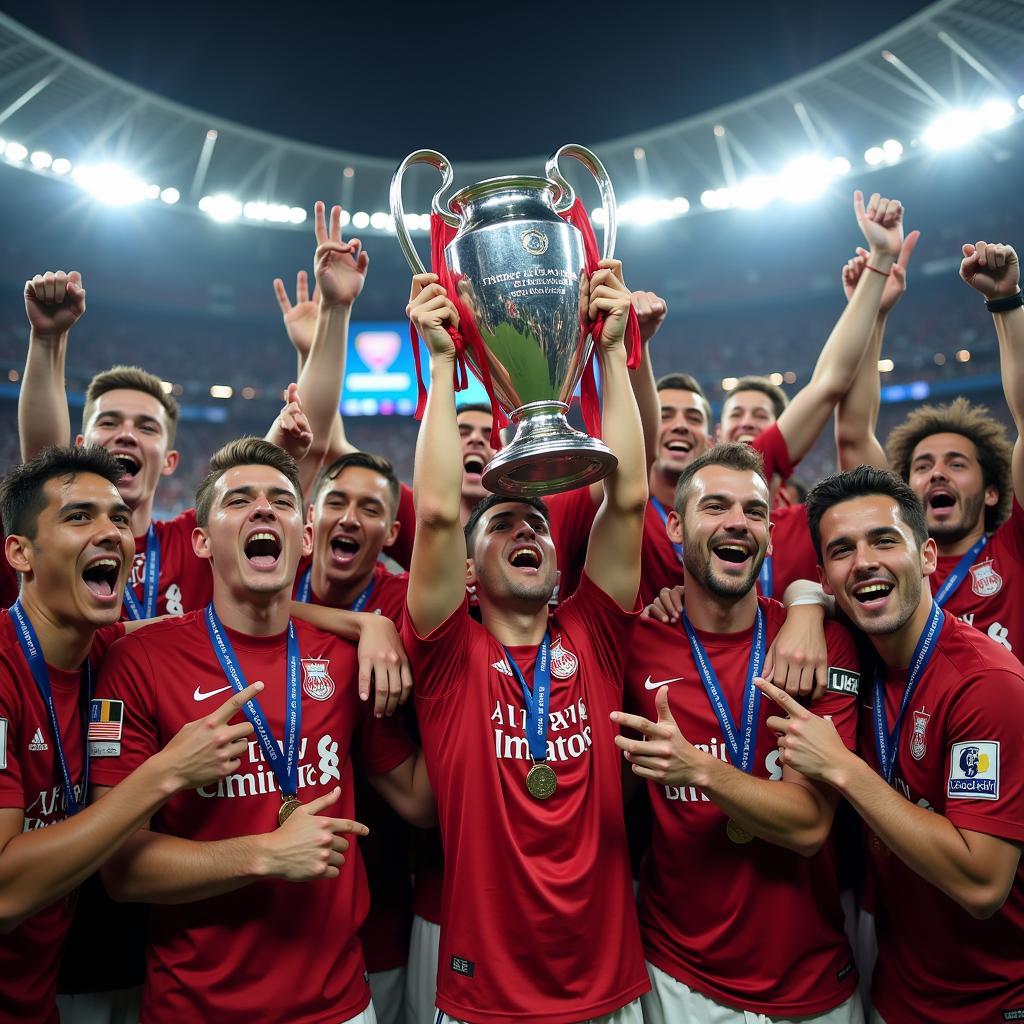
(1006, 303)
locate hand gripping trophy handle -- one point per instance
(568, 197)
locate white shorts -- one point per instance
(631, 1013)
(672, 1002)
(366, 1017)
(421, 975)
(387, 989)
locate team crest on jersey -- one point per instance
(316, 680)
(985, 581)
(563, 663)
(918, 742)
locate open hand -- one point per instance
(339, 267)
(882, 224)
(896, 284)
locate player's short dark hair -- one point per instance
(486, 504)
(778, 397)
(21, 490)
(130, 378)
(732, 455)
(862, 482)
(245, 451)
(362, 460)
(995, 453)
(473, 407)
(684, 382)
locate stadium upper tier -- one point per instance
(949, 76)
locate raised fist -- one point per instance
(882, 223)
(54, 301)
(991, 268)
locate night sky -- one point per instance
(501, 80)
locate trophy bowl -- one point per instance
(520, 274)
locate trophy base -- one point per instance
(547, 455)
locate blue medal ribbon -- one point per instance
(284, 761)
(886, 742)
(766, 577)
(150, 583)
(537, 701)
(742, 742)
(663, 513)
(41, 674)
(305, 592)
(959, 573)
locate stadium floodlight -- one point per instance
(152, 191)
(379, 220)
(360, 220)
(222, 208)
(839, 166)
(597, 215)
(297, 214)
(643, 210)
(892, 150)
(1020, 101)
(996, 114)
(963, 356)
(254, 211)
(61, 165)
(805, 178)
(886, 366)
(345, 218)
(15, 152)
(221, 390)
(680, 205)
(755, 192)
(728, 383)
(716, 198)
(873, 156)
(110, 184)
(776, 378)
(170, 196)
(956, 128)
(41, 159)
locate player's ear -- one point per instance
(771, 534)
(307, 539)
(674, 527)
(201, 543)
(823, 580)
(392, 535)
(171, 460)
(991, 497)
(79, 440)
(929, 557)
(17, 549)
(470, 573)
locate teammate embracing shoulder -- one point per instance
(940, 789)
(739, 896)
(538, 916)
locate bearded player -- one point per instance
(69, 537)
(736, 835)
(941, 787)
(219, 863)
(514, 713)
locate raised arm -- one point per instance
(437, 575)
(613, 552)
(54, 303)
(994, 271)
(43, 865)
(803, 420)
(857, 412)
(651, 311)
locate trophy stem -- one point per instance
(547, 455)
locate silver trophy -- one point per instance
(522, 277)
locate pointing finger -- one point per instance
(235, 703)
(779, 697)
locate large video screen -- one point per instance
(380, 372)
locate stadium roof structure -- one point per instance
(949, 76)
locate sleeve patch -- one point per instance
(104, 748)
(3, 743)
(974, 770)
(106, 719)
(843, 680)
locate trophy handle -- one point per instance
(435, 159)
(567, 197)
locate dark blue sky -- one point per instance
(499, 80)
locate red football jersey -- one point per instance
(9, 585)
(751, 925)
(387, 597)
(793, 554)
(538, 917)
(186, 583)
(31, 781)
(206, 959)
(401, 550)
(958, 756)
(987, 599)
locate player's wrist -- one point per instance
(162, 775)
(47, 338)
(841, 773)
(881, 259)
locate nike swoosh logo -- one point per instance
(199, 695)
(648, 685)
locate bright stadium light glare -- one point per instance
(886, 366)
(297, 214)
(61, 165)
(805, 178)
(360, 220)
(597, 215)
(755, 192)
(221, 390)
(170, 196)
(873, 156)
(15, 152)
(278, 213)
(957, 128)
(41, 159)
(728, 383)
(221, 207)
(346, 217)
(379, 220)
(110, 184)
(892, 150)
(643, 211)
(680, 205)
(1020, 101)
(254, 211)
(152, 191)
(776, 378)
(839, 166)
(717, 198)
(996, 114)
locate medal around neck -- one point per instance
(521, 276)
(541, 781)
(737, 833)
(289, 805)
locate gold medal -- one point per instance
(541, 781)
(737, 834)
(289, 804)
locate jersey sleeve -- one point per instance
(772, 446)
(1012, 531)
(841, 699)
(984, 769)
(401, 550)
(102, 641)
(124, 691)
(12, 793)
(607, 626)
(438, 660)
(382, 743)
(572, 516)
